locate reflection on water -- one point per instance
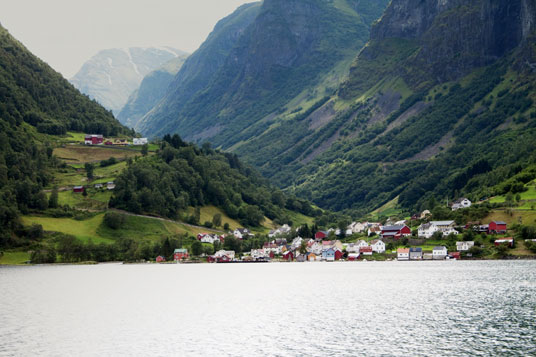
(308, 309)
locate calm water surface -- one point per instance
(300, 309)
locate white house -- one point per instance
(357, 227)
(374, 229)
(402, 254)
(427, 230)
(296, 243)
(242, 233)
(461, 203)
(316, 248)
(378, 246)
(464, 246)
(225, 253)
(361, 243)
(439, 253)
(284, 229)
(352, 248)
(259, 253)
(140, 141)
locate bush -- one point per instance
(114, 220)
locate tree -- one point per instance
(226, 226)
(145, 149)
(114, 220)
(197, 248)
(216, 220)
(53, 200)
(303, 247)
(89, 171)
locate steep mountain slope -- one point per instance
(152, 89)
(292, 53)
(112, 75)
(438, 104)
(35, 101)
(201, 67)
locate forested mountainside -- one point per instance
(439, 104)
(182, 175)
(277, 56)
(34, 101)
(112, 75)
(152, 89)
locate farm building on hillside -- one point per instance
(140, 141)
(497, 227)
(395, 232)
(78, 189)
(93, 139)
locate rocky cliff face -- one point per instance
(456, 36)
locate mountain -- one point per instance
(271, 58)
(152, 89)
(439, 104)
(112, 75)
(35, 101)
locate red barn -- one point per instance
(93, 139)
(288, 256)
(321, 235)
(395, 232)
(78, 189)
(497, 227)
(160, 259)
(338, 254)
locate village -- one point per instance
(389, 242)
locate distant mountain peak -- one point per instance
(113, 74)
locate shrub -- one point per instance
(114, 220)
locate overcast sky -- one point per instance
(66, 33)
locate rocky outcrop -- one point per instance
(457, 36)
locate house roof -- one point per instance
(498, 222)
(442, 223)
(415, 250)
(392, 228)
(440, 248)
(374, 241)
(402, 250)
(181, 251)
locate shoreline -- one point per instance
(518, 257)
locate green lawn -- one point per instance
(138, 228)
(14, 258)
(208, 212)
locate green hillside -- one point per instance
(290, 56)
(35, 101)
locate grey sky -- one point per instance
(65, 33)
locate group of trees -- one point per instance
(182, 175)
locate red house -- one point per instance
(497, 227)
(160, 259)
(321, 235)
(288, 256)
(395, 232)
(180, 254)
(78, 189)
(93, 139)
(338, 254)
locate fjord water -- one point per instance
(299, 309)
